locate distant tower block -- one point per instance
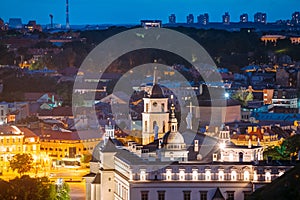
(67, 15)
(51, 20)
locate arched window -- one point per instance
(181, 175)
(162, 107)
(233, 175)
(246, 176)
(168, 174)
(221, 175)
(268, 176)
(255, 177)
(207, 175)
(143, 175)
(195, 175)
(241, 157)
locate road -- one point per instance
(77, 190)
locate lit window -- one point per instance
(221, 175)
(246, 176)
(195, 175)
(168, 174)
(268, 176)
(207, 175)
(181, 175)
(143, 175)
(233, 175)
(255, 177)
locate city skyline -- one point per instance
(105, 12)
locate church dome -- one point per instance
(173, 141)
(175, 138)
(157, 92)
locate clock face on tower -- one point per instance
(154, 104)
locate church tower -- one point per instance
(155, 116)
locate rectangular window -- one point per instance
(230, 195)
(186, 195)
(203, 195)
(144, 195)
(161, 195)
(247, 194)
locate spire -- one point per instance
(154, 76)
(172, 111)
(173, 121)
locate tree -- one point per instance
(243, 95)
(28, 188)
(63, 192)
(22, 163)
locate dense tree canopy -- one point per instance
(26, 188)
(22, 163)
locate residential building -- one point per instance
(172, 19)
(226, 18)
(286, 98)
(260, 17)
(295, 18)
(244, 18)
(190, 19)
(13, 112)
(68, 147)
(17, 140)
(32, 26)
(15, 23)
(2, 25)
(256, 135)
(203, 19)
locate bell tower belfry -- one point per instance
(155, 116)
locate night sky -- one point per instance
(131, 11)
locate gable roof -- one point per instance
(109, 146)
(97, 179)
(218, 195)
